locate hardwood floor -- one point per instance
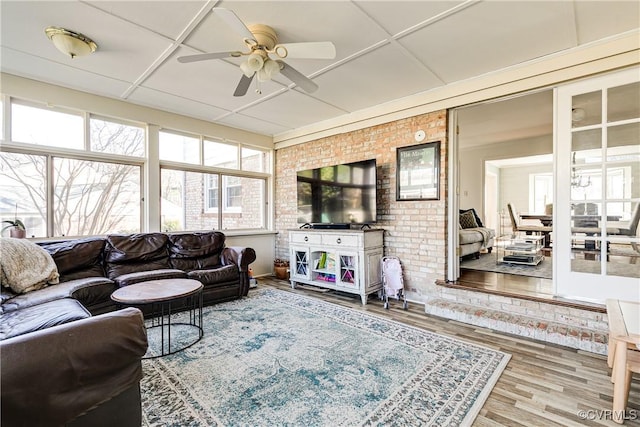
(506, 283)
(543, 384)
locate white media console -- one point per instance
(343, 260)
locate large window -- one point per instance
(213, 193)
(90, 187)
(73, 173)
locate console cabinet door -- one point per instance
(299, 263)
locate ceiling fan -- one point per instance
(262, 41)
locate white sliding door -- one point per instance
(597, 146)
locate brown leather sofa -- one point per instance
(82, 373)
(92, 268)
(59, 364)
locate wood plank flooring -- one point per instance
(543, 385)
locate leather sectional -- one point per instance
(77, 318)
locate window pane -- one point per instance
(184, 202)
(46, 127)
(179, 148)
(93, 198)
(255, 160)
(212, 194)
(117, 138)
(23, 191)
(623, 102)
(220, 155)
(246, 199)
(623, 143)
(587, 109)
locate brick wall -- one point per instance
(415, 231)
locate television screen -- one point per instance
(339, 194)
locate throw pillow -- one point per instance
(475, 214)
(468, 220)
(25, 266)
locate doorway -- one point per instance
(508, 143)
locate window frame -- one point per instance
(150, 163)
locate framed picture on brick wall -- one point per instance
(418, 172)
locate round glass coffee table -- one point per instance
(167, 297)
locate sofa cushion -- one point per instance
(77, 258)
(468, 220)
(196, 251)
(227, 273)
(41, 316)
(133, 253)
(72, 288)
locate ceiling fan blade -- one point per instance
(243, 85)
(234, 22)
(206, 56)
(306, 50)
(297, 77)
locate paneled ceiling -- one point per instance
(386, 50)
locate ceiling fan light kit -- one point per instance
(268, 70)
(262, 40)
(254, 62)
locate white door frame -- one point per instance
(453, 266)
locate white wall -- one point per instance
(264, 245)
(472, 170)
(514, 185)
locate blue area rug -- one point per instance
(276, 358)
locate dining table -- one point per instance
(624, 334)
(547, 220)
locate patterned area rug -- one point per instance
(487, 262)
(276, 358)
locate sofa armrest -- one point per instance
(55, 375)
(240, 256)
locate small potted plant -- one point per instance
(16, 228)
(281, 268)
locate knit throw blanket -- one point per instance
(25, 266)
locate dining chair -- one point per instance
(631, 230)
(587, 208)
(517, 227)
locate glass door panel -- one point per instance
(597, 247)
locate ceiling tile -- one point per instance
(29, 66)
(252, 124)
(397, 16)
(175, 104)
(305, 110)
(375, 78)
(492, 35)
(598, 19)
(169, 20)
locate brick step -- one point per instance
(581, 338)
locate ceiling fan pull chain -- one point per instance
(258, 88)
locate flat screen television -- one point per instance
(339, 194)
